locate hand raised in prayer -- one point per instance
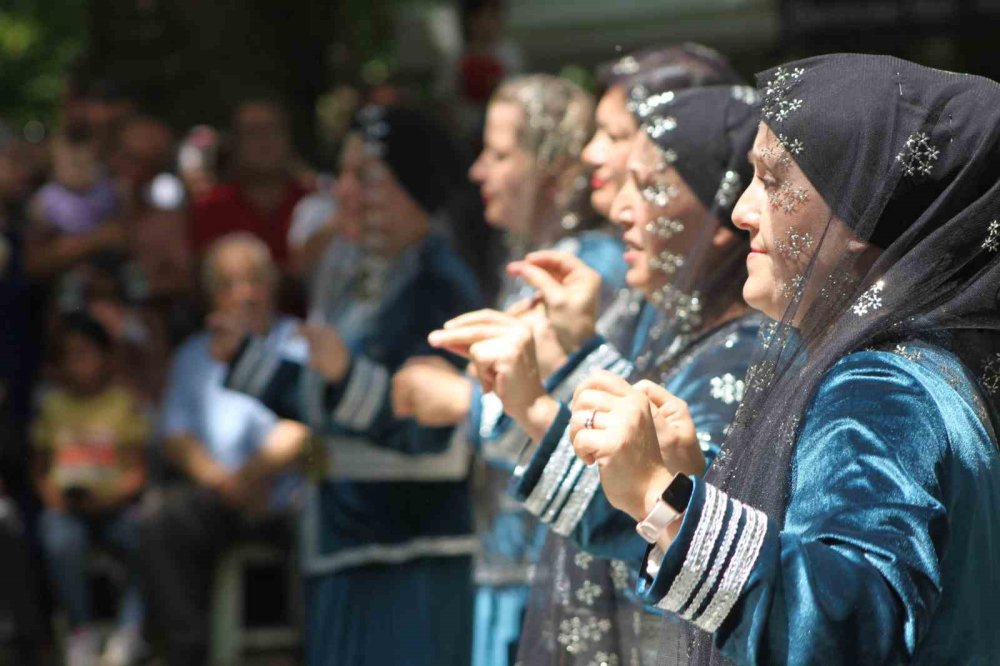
(612, 424)
(569, 289)
(431, 391)
(328, 354)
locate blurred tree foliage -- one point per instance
(39, 40)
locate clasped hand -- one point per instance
(639, 436)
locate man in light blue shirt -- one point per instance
(232, 453)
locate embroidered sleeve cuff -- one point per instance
(701, 575)
(253, 368)
(533, 463)
(572, 363)
(357, 399)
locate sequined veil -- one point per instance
(583, 608)
(903, 247)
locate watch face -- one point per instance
(647, 532)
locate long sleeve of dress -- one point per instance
(556, 486)
(889, 460)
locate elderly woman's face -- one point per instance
(788, 222)
(506, 173)
(607, 152)
(243, 285)
(661, 218)
(370, 198)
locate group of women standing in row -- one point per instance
(741, 409)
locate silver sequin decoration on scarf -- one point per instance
(729, 189)
(918, 155)
(870, 301)
(992, 242)
(778, 103)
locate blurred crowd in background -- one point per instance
(120, 230)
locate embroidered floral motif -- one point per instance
(992, 242)
(727, 388)
(760, 374)
(604, 659)
(583, 559)
(793, 287)
(907, 353)
(838, 285)
(619, 575)
(787, 197)
(686, 308)
(991, 374)
(625, 66)
(870, 301)
(729, 189)
(660, 125)
(667, 262)
(780, 154)
(577, 634)
(778, 104)
(588, 593)
(704, 440)
(745, 94)
(795, 245)
(918, 155)
(665, 227)
(660, 195)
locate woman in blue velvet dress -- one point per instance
(386, 531)
(686, 256)
(853, 514)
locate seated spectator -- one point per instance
(89, 444)
(72, 216)
(231, 452)
(263, 192)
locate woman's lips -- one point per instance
(596, 182)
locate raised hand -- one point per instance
(328, 354)
(431, 391)
(612, 424)
(675, 430)
(569, 289)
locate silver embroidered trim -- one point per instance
(870, 301)
(553, 472)
(364, 395)
(576, 506)
(659, 126)
(720, 559)
(918, 155)
(992, 242)
(907, 353)
(565, 488)
(699, 553)
(737, 572)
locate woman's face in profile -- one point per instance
(606, 154)
(788, 222)
(506, 173)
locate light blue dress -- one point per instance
(510, 538)
(890, 551)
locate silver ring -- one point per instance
(589, 423)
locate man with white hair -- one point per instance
(232, 453)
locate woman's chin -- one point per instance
(761, 299)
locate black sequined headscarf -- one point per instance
(905, 159)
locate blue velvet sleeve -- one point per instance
(854, 576)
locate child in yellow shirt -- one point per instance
(89, 439)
